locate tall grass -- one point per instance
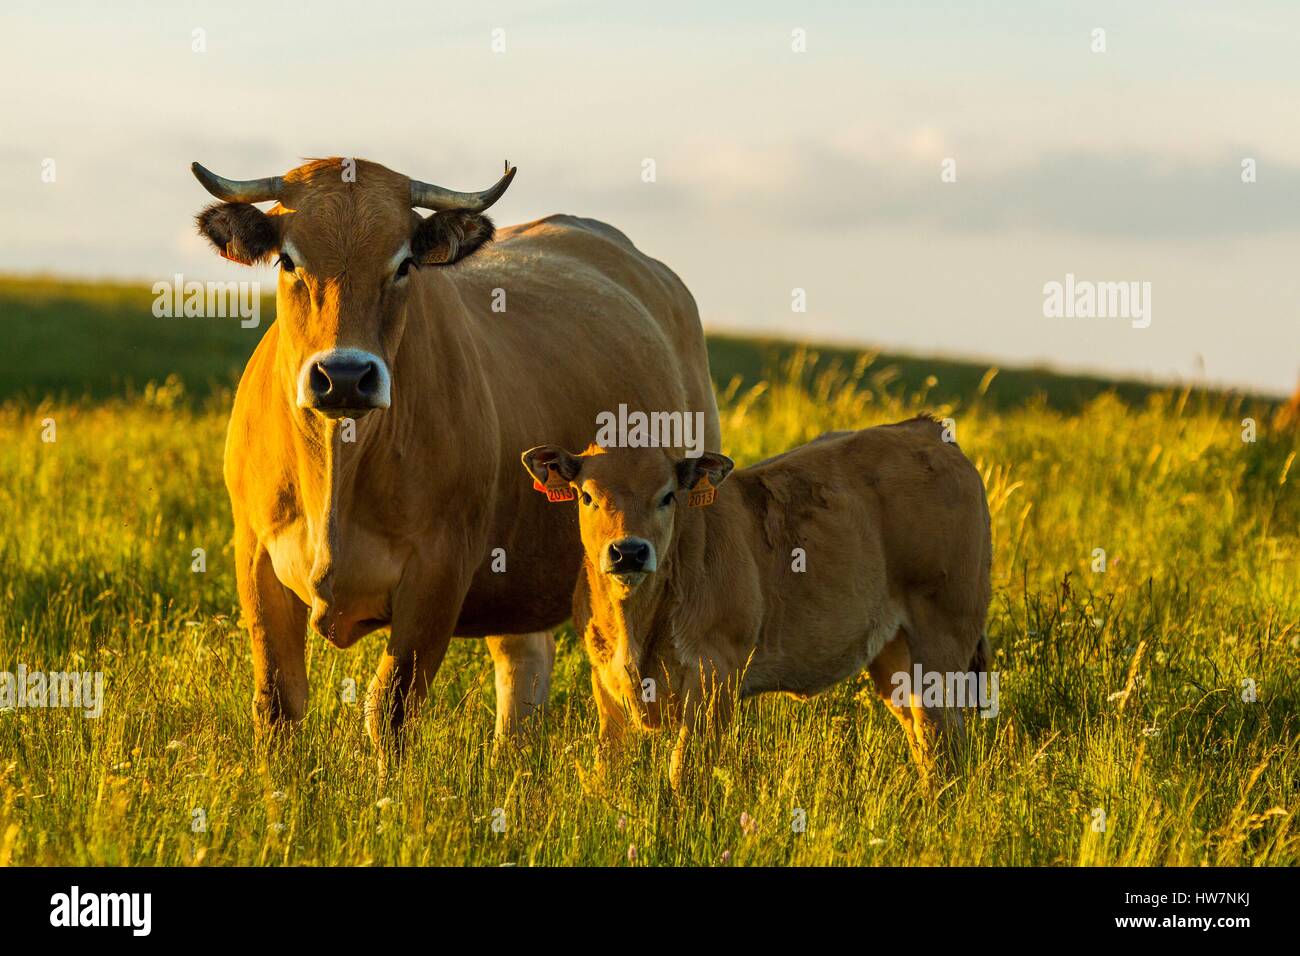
(1122, 737)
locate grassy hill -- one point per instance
(97, 340)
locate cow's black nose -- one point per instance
(344, 383)
(629, 554)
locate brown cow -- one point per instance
(861, 549)
(368, 456)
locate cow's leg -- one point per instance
(523, 665)
(425, 609)
(277, 626)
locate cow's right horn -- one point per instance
(428, 196)
(238, 190)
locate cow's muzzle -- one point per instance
(344, 383)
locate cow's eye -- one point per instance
(586, 498)
(404, 268)
(667, 500)
(285, 263)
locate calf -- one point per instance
(861, 549)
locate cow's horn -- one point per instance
(238, 190)
(427, 196)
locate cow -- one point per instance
(370, 447)
(860, 549)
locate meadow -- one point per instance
(1149, 713)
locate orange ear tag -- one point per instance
(231, 253)
(556, 488)
(703, 494)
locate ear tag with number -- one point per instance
(231, 252)
(703, 494)
(556, 488)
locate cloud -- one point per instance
(820, 186)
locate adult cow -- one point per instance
(371, 453)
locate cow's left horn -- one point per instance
(427, 196)
(238, 190)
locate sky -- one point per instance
(778, 165)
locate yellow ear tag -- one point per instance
(233, 255)
(557, 489)
(703, 494)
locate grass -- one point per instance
(1121, 691)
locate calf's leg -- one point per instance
(707, 708)
(895, 658)
(612, 712)
(933, 641)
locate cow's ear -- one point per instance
(710, 465)
(446, 237)
(541, 460)
(240, 232)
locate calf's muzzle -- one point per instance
(628, 556)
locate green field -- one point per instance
(1123, 692)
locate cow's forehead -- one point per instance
(634, 471)
(345, 214)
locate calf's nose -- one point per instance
(629, 554)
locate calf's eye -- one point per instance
(285, 263)
(586, 498)
(405, 267)
(667, 500)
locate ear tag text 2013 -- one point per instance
(556, 488)
(703, 494)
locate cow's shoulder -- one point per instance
(595, 256)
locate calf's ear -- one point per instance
(240, 232)
(540, 460)
(552, 469)
(710, 465)
(446, 237)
